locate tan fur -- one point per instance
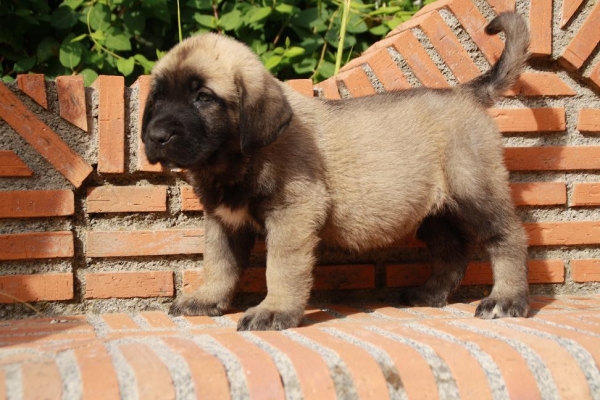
(357, 174)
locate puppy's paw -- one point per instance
(193, 304)
(420, 297)
(262, 318)
(492, 307)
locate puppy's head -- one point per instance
(211, 98)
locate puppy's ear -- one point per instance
(264, 113)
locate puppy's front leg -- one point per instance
(225, 254)
(291, 242)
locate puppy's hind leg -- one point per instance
(225, 254)
(448, 247)
(506, 243)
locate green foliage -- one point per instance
(294, 38)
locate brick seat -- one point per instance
(371, 351)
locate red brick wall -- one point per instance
(85, 217)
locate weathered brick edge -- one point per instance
(406, 58)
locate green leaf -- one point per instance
(200, 4)
(272, 62)
(333, 38)
(24, 64)
(46, 49)
(310, 19)
(326, 69)
(63, 18)
(258, 14)
(23, 12)
(117, 41)
(70, 53)
(73, 3)
(259, 46)
(306, 66)
(126, 65)
(8, 79)
(231, 20)
(79, 38)
(356, 24)
(206, 20)
(285, 8)
(89, 76)
(379, 30)
(143, 61)
(293, 52)
(100, 17)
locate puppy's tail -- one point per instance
(488, 87)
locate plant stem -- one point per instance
(179, 21)
(343, 23)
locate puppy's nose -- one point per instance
(160, 136)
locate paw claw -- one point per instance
(263, 319)
(491, 308)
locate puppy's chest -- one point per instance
(236, 218)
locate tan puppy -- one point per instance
(357, 174)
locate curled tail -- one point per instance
(488, 87)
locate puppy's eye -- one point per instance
(204, 97)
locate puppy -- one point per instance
(356, 174)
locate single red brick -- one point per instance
(418, 60)
(566, 373)
(563, 233)
(540, 271)
(48, 287)
(158, 319)
(330, 89)
(34, 86)
(589, 120)
(94, 362)
(584, 42)
(540, 23)
(585, 270)
(36, 203)
(35, 245)
(189, 199)
(262, 376)
(144, 242)
(210, 378)
(71, 100)
(539, 193)
(474, 23)
(111, 123)
(143, 89)
(540, 84)
(357, 82)
(310, 368)
(594, 75)
(303, 86)
(449, 47)
(529, 119)
(105, 285)
(569, 7)
(12, 166)
(120, 321)
(366, 373)
(153, 379)
(43, 139)
(110, 199)
(520, 383)
(41, 380)
(388, 73)
(586, 194)
(549, 158)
